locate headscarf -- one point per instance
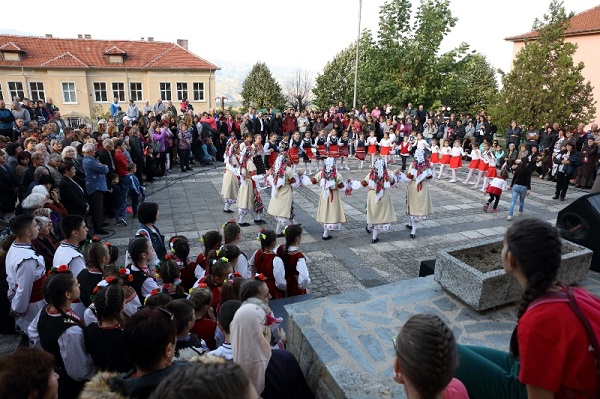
(245, 155)
(421, 167)
(379, 179)
(229, 148)
(328, 176)
(250, 336)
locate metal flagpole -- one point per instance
(357, 48)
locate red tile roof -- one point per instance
(44, 52)
(584, 23)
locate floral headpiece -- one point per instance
(89, 241)
(328, 176)
(110, 280)
(261, 235)
(421, 166)
(199, 286)
(233, 275)
(279, 169)
(172, 244)
(227, 223)
(260, 277)
(59, 269)
(124, 273)
(222, 259)
(230, 146)
(202, 239)
(142, 233)
(379, 178)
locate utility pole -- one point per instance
(356, 61)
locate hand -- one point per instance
(528, 191)
(211, 314)
(54, 196)
(282, 335)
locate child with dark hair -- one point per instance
(96, 257)
(114, 199)
(212, 241)
(104, 338)
(59, 330)
(113, 254)
(230, 290)
(141, 253)
(188, 345)
(426, 359)
(180, 250)
(296, 271)
(68, 252)
(548, 329)
(266, 262)
(168, 270)
(226, 314)
(25, 273)
(206, 321)
(148, 214)
(135, 189)
(218, 270)
(495, 189)
(233, 235)
(158, 299)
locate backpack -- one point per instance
(587, 309)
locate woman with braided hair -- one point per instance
(104, 339)
(550, 356)
(58, 330)
(170, 275)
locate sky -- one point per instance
(284, 33)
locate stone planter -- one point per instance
(488, 289)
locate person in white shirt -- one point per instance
(226, 313)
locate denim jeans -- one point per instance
(517, 191)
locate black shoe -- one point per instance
(408, 226)
(555, 197)
(100, 231)
(413, 235)
(374, 240)
(183, 170)
(280, 235)
(260, 221)
(327, 238)
(245, 224)
(368, 230)
(104, 224)
(227, 211)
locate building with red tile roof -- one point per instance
(583, 30)
(83, 75)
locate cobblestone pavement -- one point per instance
(190, 204)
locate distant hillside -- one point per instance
(232, 74)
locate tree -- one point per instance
(299, 90)
(545, 85)
(470, 84)
(260, 89)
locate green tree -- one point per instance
(260, 89)
(545, 85)
(470, 83)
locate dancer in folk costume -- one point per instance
(248, 200)
(294, 153)
(229, 191)
(475, 156)
(307, 152)
(445, 158)
(344, 143)
(380, 210)
(456, 154)
(282, 181)
(361, 149)
(259, 153)
(372, 146)
(435, 155)
(330, 211)
(321, 146)
(333, 144)
(418, 198)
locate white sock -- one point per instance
(256, 217)
(242, 217)
(414, 227)
(280, 227)
(325, 232)
(227, 206)
(375, 233)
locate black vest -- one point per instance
(87, 282)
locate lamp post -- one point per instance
(356, 59)
(223, 100)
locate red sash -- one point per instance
(37, 290)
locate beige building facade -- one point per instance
(83, 76)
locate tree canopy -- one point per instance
(260, 89)
(545, 85)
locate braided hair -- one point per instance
(267, 238)
(291, 234)
(231, 231)
(108, 303)
(250, 289)
(55, 287)
(425, 347)
(211, 240)
(96, 255)
(180, 247)
(169, 273)
(536, 246)
(229, 251)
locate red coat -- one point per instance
(289, 123)
(120, 163)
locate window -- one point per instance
(37, 91)
(182, 91)
(16, 90)
(135, 91)
(118, 90)
(73, 122)
(199, 91)
(165, 91)
(1, 92)
(69, 93)
(100, 94)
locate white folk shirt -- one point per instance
(69, 254)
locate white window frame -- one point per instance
(74, 92)
(40, 94)
(15, 92)
(2, 93)
(119, 93)
(165, 91)
(139, 93)
(73, 121)
(196, 91)
(182, 88)
(99, 92)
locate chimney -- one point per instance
(183, 43)
(141, 38)
(79, 36)
(88, 36)
(49, 35)
(150, 39)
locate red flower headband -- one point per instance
(59, 269)
(260, 276)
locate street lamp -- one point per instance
(223, 100)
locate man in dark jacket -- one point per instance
(72, 194)
(6, 122)
(106, 157)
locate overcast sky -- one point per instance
(287, 33)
